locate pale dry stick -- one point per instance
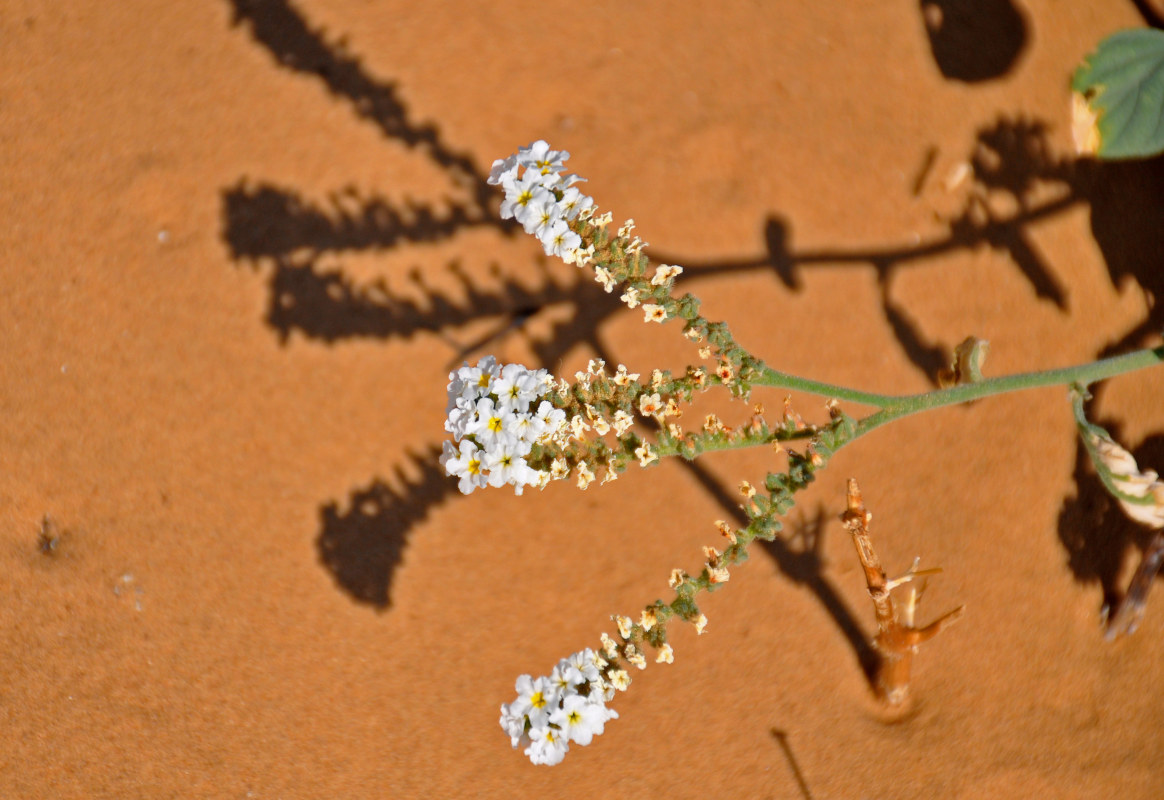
(1126, 616)
(896, 641)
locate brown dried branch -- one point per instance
(897, 638)
(1126, 616)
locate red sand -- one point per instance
(224, 394)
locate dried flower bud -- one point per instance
(726, 530)
(585, 476)
(1127, 478)
(625, 626)
(634, 656)
(620, 680)
(649, 618)
(622, 377)
(645, 454)
(717, 574)
(609, 647)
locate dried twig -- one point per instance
(1126, 616)
(897, 638)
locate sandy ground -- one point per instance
(242, 242)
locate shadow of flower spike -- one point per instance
(363, 544)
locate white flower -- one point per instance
(464, 463)
(551, 416)
(513, 724)
(490, 426)
(489, 416)
(665, 273)
(558, 240)
(520, 193)
(547, 746)
(651, 405)
(580, 667)
(573, 202)
(504, 171)
(517, 387)
(506, 466)
(542, 212)
(622, 377)
(472, 383)
(536, 698)
(603, 275)
(622, 422)
(653, 312)
(580, 718)
(569, 705)
(541, 158)
(542, 199)
(578, 427)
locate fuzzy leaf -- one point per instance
(1122, 88)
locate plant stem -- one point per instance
(1084, 374)
(783, 380)
(894, 407)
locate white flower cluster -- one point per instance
(567, 706)
(494, 423)
(540, 197)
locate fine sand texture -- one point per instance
(242, 243)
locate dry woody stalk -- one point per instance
(897, 639)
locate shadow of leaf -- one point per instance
(974, 40)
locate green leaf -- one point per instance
(1122, 83)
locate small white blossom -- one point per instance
(622, 377)
(652, 312)
(621, 422)
(494, 426)
(665, 273)
(602, 275)
(580, 719)
(645, 454)
(543, 199)
(558, 240)
(567, 706)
